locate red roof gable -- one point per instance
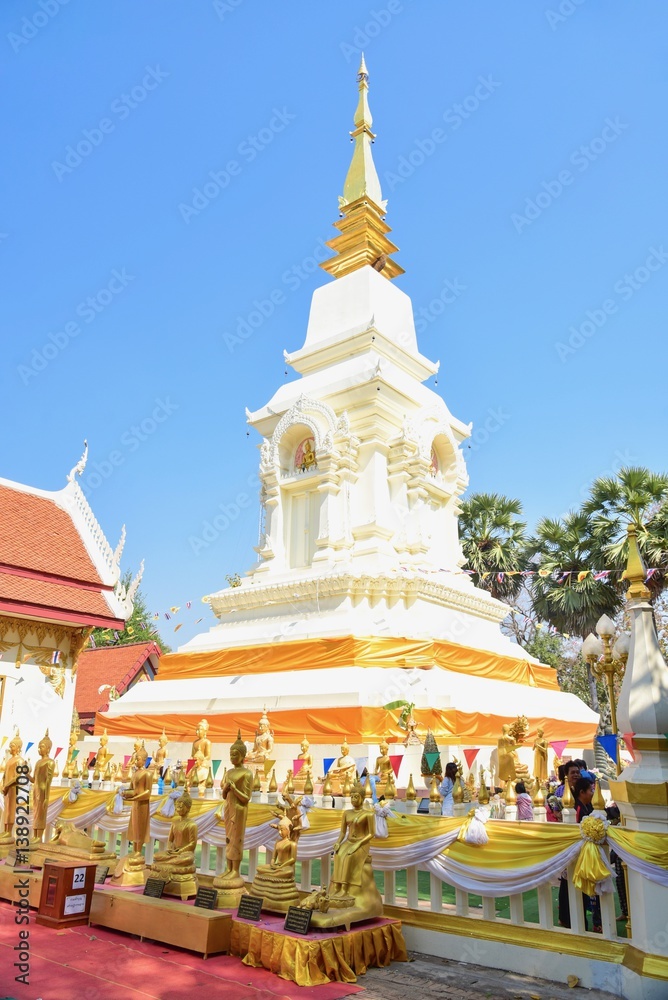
(37, 534)
(44, 595)
(114, 665)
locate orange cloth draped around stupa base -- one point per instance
(329, 725)
(350, 651)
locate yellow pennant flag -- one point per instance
(175, 611)
(582, 575)
(544, 572)
(177, 627)
(268, 764)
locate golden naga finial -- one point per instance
(635, 571)
(363, 240)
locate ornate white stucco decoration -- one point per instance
(78, 469)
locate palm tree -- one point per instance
(563, 549)
(634, 496)
(493, 537)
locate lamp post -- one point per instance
(607, 660)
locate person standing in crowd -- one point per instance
(524, 803)
(614, 818)
(583, 793)
(446, 789)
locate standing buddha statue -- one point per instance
(540, 757)
(236, 788)
(41, 779)
(202, 742)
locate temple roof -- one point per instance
(115, 666)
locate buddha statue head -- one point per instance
(139, 743)
(162, 739)
(183, 805)
(284, 827)
(384, 748)
(141, 756)
(264, 722)
(202, 729)
(540, 733)
(304, 746)
(345, 749)
(15, 744)
(357, 795)
(44, 745)
(104, 739)
(238, 751)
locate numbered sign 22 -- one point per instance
(78, 878)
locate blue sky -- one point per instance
(522, 151)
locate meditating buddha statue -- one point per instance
(236, 787)
(202, 742)
(344, 770)
(264, 742)
(275, 882)
(102, 757)
(176, 865)
(352, 895)
(41, 779)
(197, 775)
(306, 770)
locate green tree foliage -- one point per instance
(634, 496)
(140, 626)
(493, 538)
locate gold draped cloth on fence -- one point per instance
(651, 847)
(351, 651)
(362, 724)
(315, 961)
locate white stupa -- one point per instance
(358, 597)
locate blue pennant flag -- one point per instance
(609, 744)
(327, 763)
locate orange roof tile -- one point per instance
(44, 594)
(37, 534)
(108, 665)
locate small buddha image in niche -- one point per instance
(305, 456)
(434, 463)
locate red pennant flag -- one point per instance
(628, 740)
(395, 761)
(297, 765)
(90, 756)
(191, 763)
(470, 756)
(59, 750)
(126, 760)
(559, 746)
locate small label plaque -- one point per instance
(101, 874)
(250, 907)
(154, 887)
(74, 904)
(78, 878)
(206, 897)
(298, 920)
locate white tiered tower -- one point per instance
(361, 471)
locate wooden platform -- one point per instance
(165, 920)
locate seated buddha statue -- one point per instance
(196, 776)
(176, 865)
(264, 742)
(383, 766)
(275, 882)
(306, 770)
(343, 771)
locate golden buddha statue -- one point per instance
(160, 755)
(176, 865)
(198, 774)
(202, 742)
(70, 770)
(306, 770)
(14, 769)
(383, 766)
(352, 894)
(344, 770)
(130, 869)
(41, 779)
(540, 748)
(275, 882)
(236, 787)
(264, 742)
(102, 757)
(133, 763)
(509, 764)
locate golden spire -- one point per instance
(635, 571)
(363, 240)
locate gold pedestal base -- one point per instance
(182, 886)
(228, 898)
(130, 870)
(277, 895)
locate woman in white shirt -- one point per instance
(446, 789)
